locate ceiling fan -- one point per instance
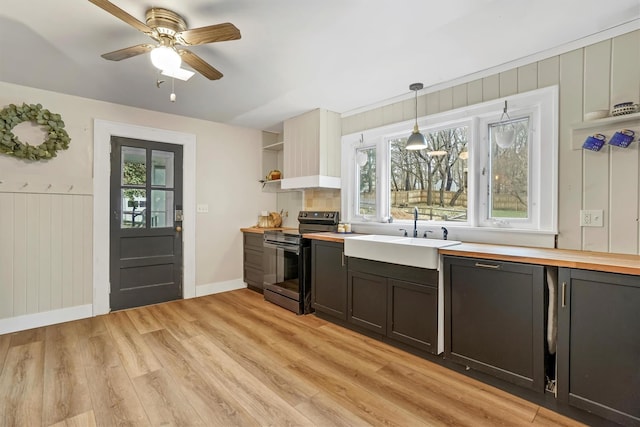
(170, 30)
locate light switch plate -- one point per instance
(591, 218)
(202, 208)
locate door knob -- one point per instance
(178, 229)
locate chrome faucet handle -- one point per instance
(425, 233)
(405, 231)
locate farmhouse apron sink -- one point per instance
(412, 251)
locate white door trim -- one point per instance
(102, 132)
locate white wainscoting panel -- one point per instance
(45, 252)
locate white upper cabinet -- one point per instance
(312, 150)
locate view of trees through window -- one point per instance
(434, 179)
(366, 160)
(509, 186)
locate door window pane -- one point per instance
(134, 208)
(509, 187)
(161, 208)
(366, 164)
(134, 168)
(162, 169)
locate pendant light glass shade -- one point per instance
(416, 140)
(165, 58)
(505, 130)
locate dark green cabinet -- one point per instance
(413, 314)
(368, 301)
(599, 344)
(329, 278)
(252, 261)
(494, 318)
(395, 301)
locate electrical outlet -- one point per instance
(202, 208)
(591, 218)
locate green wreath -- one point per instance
(57, 138)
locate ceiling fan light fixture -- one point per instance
(165, 58)
(416, 140)
(178, 73)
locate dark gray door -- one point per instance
(146, 222)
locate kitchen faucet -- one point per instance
(415, 221)
(445, 233)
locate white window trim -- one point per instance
(544, 127)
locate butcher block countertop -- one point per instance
(260, 230)
(597, 261)
(585, 260)
(329, 237)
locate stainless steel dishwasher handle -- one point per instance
(493, 266)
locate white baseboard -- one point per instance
(30, 321)
(217, 287)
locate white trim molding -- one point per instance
(45, 318)
(102, 132)
(218, 287)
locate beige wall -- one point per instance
(590, 78)
(58, 267)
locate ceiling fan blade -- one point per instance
(209, 34)
(200, 65)
(121, 14)
(128, 52)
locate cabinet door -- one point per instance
(599, 344)
(413, 314)
(494, 318)
(368, 301)
(329, 278)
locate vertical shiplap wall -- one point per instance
(591, 78)
(45, 252)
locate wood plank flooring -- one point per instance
(233, 359)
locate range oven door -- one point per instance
(282, 274)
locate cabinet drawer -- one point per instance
(253, 259)
(253, 277)
(253, 240)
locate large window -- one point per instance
(477, 171)
(432, 180)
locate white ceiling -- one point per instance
(294, 55)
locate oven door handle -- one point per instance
(287, 248)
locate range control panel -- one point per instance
(331, 217)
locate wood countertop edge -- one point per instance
(584, 260)
(260, 230)
(326, 236)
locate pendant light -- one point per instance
(505, 130)
(416, 141)
(362, 158)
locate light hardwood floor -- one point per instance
(233, 359)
